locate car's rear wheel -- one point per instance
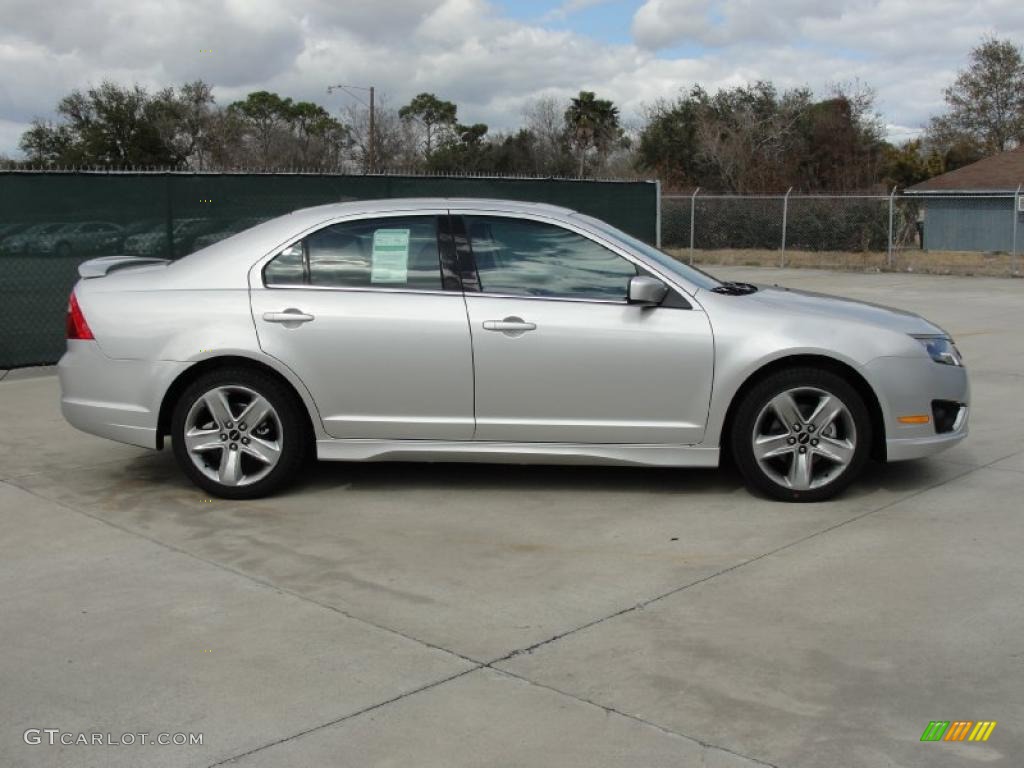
(802, 434)
(238, 433)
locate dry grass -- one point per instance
(913, 260)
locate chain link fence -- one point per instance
(50, 222)
(977, 234)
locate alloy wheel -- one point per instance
(804, 438)
(233, 435)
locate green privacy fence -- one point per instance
(52, 221)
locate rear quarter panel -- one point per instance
(165, 313)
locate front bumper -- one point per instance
(116, 399)
(908, 387)
(903, 448)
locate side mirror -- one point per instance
(646, 291)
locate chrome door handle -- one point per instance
(290, 315)
(510, 326)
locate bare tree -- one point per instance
(545, 120)
(397, 143)
(746, 135)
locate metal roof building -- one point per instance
(974, 208)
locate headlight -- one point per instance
(941, 349)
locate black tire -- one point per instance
(760, 395)
(294, 435)
(63, 250)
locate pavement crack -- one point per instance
(248, 576)
(736, 566)
(343, 718)
(634, 718)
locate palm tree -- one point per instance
(592, 122)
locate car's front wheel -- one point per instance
(238, 433)
(801, 434)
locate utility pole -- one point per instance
(785, 218)
(371, 148)
(373, 137)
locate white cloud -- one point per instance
(659, 23)
(488, 63)
(10, 132)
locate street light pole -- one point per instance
(373, 137)
(371, 149)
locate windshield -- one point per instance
(692, 274)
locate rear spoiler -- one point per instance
(104, 265)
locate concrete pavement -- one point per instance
(465, 615)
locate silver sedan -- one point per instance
(487, 330)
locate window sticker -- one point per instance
(390, 256)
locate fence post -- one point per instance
(892, 196)
(1016, 217)
(785, 216)
(170, 215)
(657, 215)
(693, 209)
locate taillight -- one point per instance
(76, 326)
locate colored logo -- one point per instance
(958, 730)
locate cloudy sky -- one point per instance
(492, 56)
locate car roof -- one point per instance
(416, 203)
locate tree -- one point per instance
(844, 148)
(750, 137)
(545, 141)
(754, 139)
(265, 116)
(319, 138)
(183, 119)
(669, 145)
(108, 125)
(592, 123)
(432, 113)
(523, 152)
(396, 143)
(907, 164)
(986, 101)
(226, 141)
(464, 149)
(52, 144)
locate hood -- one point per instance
(824, 306)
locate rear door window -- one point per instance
(390, 252)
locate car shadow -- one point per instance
(373, 476)
(160, 471)
(899, 477)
